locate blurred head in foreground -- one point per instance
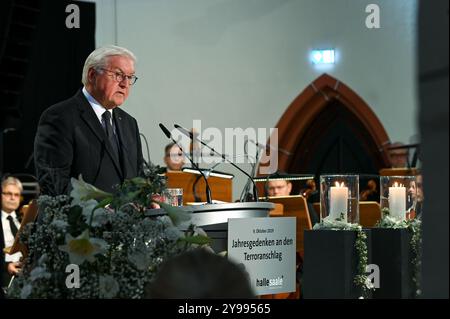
(199, 274)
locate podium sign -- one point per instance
(266, 247)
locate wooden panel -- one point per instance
(369, 214)
(278, 211)
(295, 206)
(221, 188)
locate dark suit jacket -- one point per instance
(4, 275)
(70, 141)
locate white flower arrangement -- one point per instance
(115, 246)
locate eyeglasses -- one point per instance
(174, 155)
(119, 76)
(9, 194)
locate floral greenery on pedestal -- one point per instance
(116, 248)
(414, 226)
(361, 279)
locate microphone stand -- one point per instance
(245, 195)
(169, 136)
(191, 136)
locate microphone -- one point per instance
(191, 136)
(169, 136)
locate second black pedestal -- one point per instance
(391, 251)
(330, 264)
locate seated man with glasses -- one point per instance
(89, 134)
(9, 226)
(174, 157)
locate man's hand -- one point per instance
(157, 198)
(154, 206)
(14, 268)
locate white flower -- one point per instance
(199, 231)
(100, 217)
(83, 248)
(42, 259)
(82, 191)
(59, 223)
(165, 220)
(39, 272)
(173, 233)
(369, 283)
(140, 259)
(330, 223)
(108, 287)
(26, 291)
(176, 214)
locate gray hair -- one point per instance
(99, 57)
(12, 181)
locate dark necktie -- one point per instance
(106, 116)
(12, 225)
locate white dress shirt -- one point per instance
(97, 107)
(8, 236)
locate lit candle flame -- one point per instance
(339, 185)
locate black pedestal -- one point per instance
(330, 264)
(392, 253)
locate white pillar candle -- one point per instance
(397, 201)
(338, 201)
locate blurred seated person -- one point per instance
(415, 190)
(9, 225)
(310, 192)
(279, 188)
(199, 274)
(284, 188)
(370, 193)
(174, 157)
(399, 157)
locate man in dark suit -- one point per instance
(9, 226)
(89, 134)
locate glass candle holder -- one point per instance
(398, 196)
(339, 197)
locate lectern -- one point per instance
(213, 218)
